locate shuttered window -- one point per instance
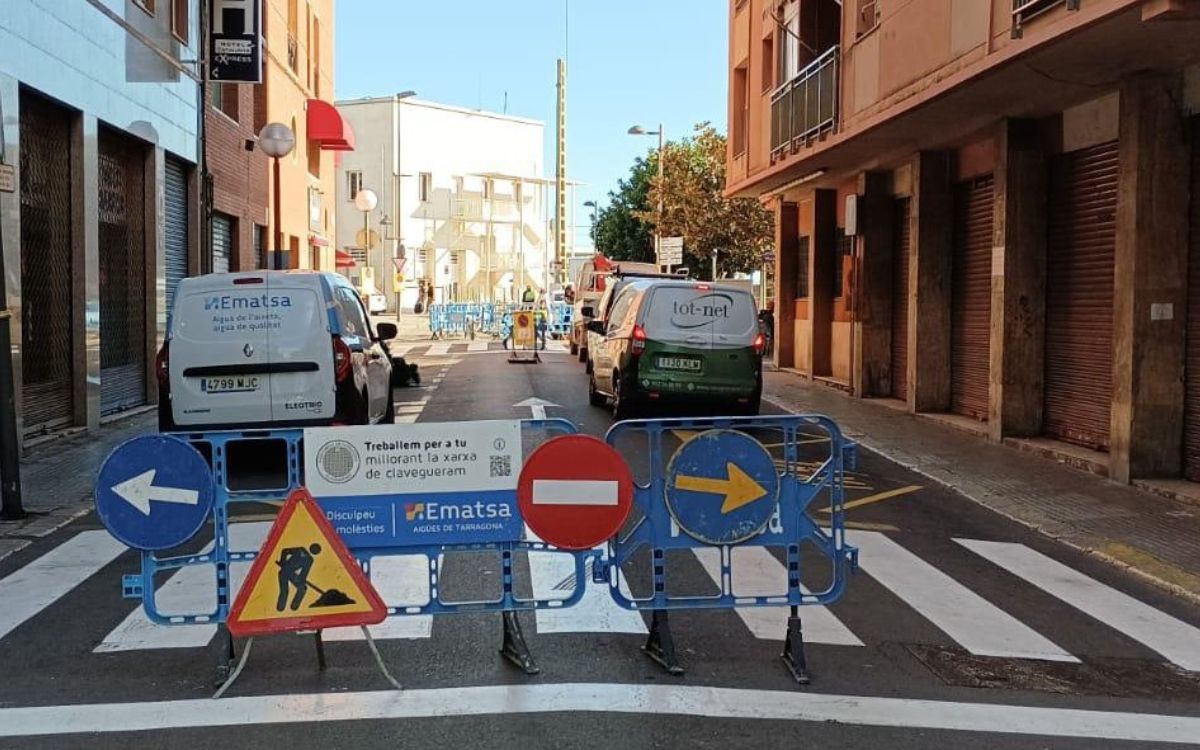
(900, 260)
(971, 298)
(1191, 419)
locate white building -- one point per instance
(468, 187)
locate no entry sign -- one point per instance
(575, 491)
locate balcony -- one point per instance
(1025, 10)
(806, 107)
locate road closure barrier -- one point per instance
(616, 509)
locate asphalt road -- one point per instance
(931, 645)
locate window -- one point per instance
(260, 246)
(768, 64)
(424, 186)
(842, 250)
(180, 20)
(486, 188)
(354, 318)
(314, 158)
(225, 99)
(354, 183)
(741, 109)
(620, 309)
(293, 51)
(315, 54)
(867, 17)
(802, 291)
(308, 31)
(146, 5)
(789, 44)
(517, 191)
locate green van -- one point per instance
(678, 341)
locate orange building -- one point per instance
(988, 210)
(297, 90)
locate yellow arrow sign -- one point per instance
(739, 488)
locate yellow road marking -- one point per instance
(684, 435)
(864, 526)
(878, 497)
(1147, 563)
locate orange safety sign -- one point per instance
(524, 333)
(304, 578)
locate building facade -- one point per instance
(240, 179)
(989, 211)
(297, 91)
(468, 187)
(99, 112)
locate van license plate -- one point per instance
(243, 384)
(679, 363)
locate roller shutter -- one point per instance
(122, 203)
(1191, 433)
(47, 375)
(222, 242)
(175, 222)
(900, 260)
(1079, 295)
(971, 298)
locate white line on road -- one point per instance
(1176, 640)
(42, 582)
(663, 700)
(756, 572)
(574, 492)
(440, 349)
(477, 346)
(190, 590)
(401, 580)
(399, 350)
(596, 612)
(975, 623)
(407, 418)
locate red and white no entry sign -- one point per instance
(575, 491)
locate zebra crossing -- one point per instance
(461, 348)
(963, 615)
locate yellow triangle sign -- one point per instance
(304, 578)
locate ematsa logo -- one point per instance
(242, 302)
(456, 511)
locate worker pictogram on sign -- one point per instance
(575, 492)
(722, 487)
(304, 578)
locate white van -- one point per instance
(272, 348)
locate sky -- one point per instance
(628, 62)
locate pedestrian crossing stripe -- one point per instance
(303, 578)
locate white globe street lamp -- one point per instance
(276, 141)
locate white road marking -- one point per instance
(190, 590)
(414, 407)
(477, 346)
(401, 580)
(556, 347)
(596, 612)
(1174, 639)
(407, 418)
(440, 349)
(662, 700)
(399, 350)
(975, 623)
(574, 492)
(32, 588)
(756, 572)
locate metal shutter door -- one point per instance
(971, 298)
(1079, 295)
(900, 259)
(175, 221)
(1191, 412)
(122, 188)
(222, 242)
(46, 274)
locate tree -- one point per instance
(619, 233)
(695, 208)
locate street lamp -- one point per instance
(366, 200)
(639, 130)
(398, 251)
(277, 141)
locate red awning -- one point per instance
(317, 240)
(343, 259)
(327, 128)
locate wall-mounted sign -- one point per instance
(235, 41)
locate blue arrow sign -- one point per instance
(154, 492)
(722, 487)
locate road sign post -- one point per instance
(154, 492)
(670, 252)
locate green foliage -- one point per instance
(619, 233)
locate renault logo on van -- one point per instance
(248, 350)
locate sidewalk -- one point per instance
(1154, 537)
(57, 478)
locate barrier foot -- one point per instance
(515, 649)
(379, 659)
(793, 650)
(660, 646)
(236, 672)
(224, 655)
(320, 644)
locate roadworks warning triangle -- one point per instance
(304, 578)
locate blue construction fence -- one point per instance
(469, 319)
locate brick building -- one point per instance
(988, 211)
(240, 172)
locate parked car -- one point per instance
(678, 341)
(590, 286)
(272, 348)
(376, 302)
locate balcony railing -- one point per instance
(805, 107)
(1025, 10)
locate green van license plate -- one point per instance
(688, 364)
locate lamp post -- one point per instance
(639, 130)
(398, 252)
(277, 141)
(592, 205)
(366, 200)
